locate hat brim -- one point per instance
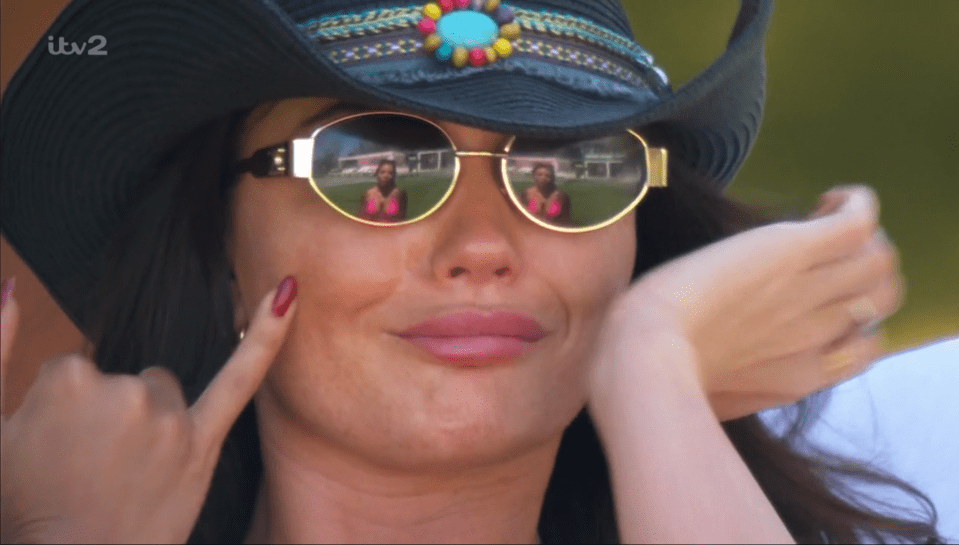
(80, 133)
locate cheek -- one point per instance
(341, 271)
(292, 232)
(321, 376)
(594, 268)
(587, 276)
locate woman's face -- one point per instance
(354, 374)
(385, 175)
(542, 177)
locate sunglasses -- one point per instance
(385, 169)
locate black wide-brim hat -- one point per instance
(80, 132)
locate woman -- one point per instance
(431, 385)
(384, 201)
(543, 199)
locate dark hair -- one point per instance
(547, 166)
(385, 161)
(182, 217)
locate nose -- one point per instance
(478, 229)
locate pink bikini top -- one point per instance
(554, 208)
(392, 207)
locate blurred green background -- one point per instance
(858, 91)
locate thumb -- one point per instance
(232, 388)
(9, 319)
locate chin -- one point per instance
(457, 437)
(413, 415)
(457, 446)
(471, 429)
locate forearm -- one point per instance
(676, 477)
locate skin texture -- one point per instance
(132, 442)
(363, 285)
(705, 336)
(367, 438)
(347, 397)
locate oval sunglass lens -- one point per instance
(577, 184)
(383, 168)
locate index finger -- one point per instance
(232, 388)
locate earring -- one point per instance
(242, 333)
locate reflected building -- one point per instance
(599, 163)
(367, 163)
(432, 160)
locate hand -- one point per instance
(777, 312)
(91, 457)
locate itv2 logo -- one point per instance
(64, 48)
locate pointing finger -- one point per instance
(233, 387)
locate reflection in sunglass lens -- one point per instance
(383, 168)
(577, 183)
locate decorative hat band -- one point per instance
(478, 32)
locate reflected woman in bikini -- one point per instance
(385, 201)
(543, 199)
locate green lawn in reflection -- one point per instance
(422, 193)
(592, 200)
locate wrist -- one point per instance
(646, 369)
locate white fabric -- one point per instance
(902, 416)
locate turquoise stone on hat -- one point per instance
(467, 29)
(444, 53)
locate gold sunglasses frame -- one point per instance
(295, 159)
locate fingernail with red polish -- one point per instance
(285, 294)
(6, 291)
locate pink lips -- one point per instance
(471, 338)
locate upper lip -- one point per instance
(474, 323)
